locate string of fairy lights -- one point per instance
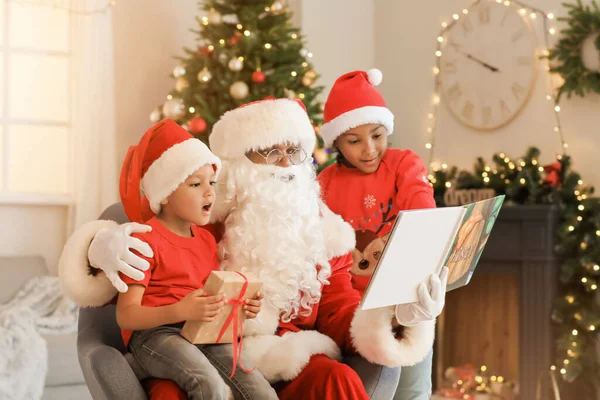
(525, 11)
(67, 5)
(581, 193)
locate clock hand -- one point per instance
(488, 66)
(483, 63)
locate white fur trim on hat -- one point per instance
(374, 76)
(76, 279)
(173, 167)
(262, 125)
(353, 118)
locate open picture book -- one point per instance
(422, 242)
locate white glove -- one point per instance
(110, 252)
(430, 304)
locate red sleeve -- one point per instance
(413, 187)
(338, 304)
(147, 273)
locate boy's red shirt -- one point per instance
(371, 202)
(179, 266)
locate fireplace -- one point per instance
(502, 318)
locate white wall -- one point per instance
(148, 34)
(33, 229)
(405, 39)
(340, 34)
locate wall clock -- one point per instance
(488, 64)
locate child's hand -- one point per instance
(198, 306)
(252, 307)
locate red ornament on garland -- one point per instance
(233, 40)
(197, 125)
(553, 174)
(258, 77)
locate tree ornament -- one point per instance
(174, 108)
(321, 156)
(179, 71)
(181, 84)
(303, 52)
(258, 76)
(269, 98)
(214, 17)
(197, 125)
(156, 114)
(235, 64)
(204, 75)
(238, 90)
(277, 7)
(309, 78)
(222, 57)
(290, 94)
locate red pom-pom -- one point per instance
(258, 77)
(197, 125)
(269, 98)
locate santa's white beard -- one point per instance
(275, 232)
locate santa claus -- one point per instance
(274, 225)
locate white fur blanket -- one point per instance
(39, 308)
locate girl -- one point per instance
(369, 185)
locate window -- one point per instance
(35, 140)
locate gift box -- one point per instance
(237, 288)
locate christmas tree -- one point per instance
(247, 50)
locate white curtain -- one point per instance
(94, 172)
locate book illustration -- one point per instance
(471, 239)
(367, 252)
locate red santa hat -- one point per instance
(163, 159)
(354, 101)
(260, 125)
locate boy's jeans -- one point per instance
(202, 371)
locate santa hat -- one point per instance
(354, 101)
(260, 125)
(163, 159)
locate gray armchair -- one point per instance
(100, 348)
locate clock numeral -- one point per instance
(454, 45)
(468, 110)
(467, 26)
(504, 16)
(484, 15)
(518, 35)
(487, 115)
(504, 110)
(454, 93)
(518, 90)
(450, 67)
(525, 60)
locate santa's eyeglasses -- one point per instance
(297, 155)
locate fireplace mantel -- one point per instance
(522, 244)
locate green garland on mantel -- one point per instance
(525, 181)
(583, 21)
